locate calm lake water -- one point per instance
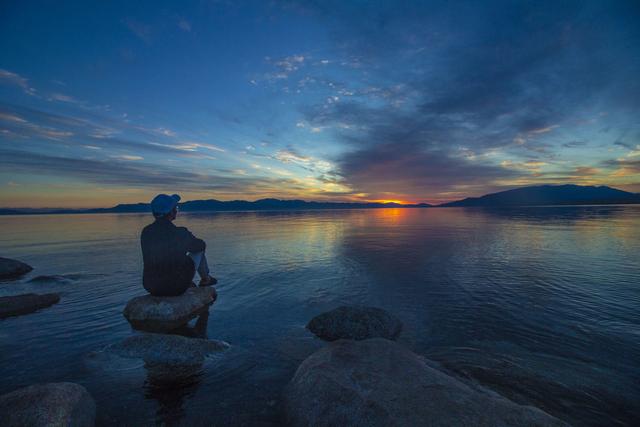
(540, 304)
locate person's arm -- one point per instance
(191, 242)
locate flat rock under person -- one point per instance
(171, 254)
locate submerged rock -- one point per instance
(167, 349)
(377, 382)
(164, 314)
(27, 303)
(11, 268)
(53, 404)
(355, 323)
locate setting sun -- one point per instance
(399, 202)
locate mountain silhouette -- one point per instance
(258, 205)
(541, 195)
(568, 194)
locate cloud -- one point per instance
(574, 144)
(164, 131)
(465, 80)
(284, 67)
(127, 157)
(412, 173)
(141, 30)
(587, 171)
(63, 98)
(635, 152)
(17, 80)
(624, 168)
(113, 172)
(190, 146)
(184, 25)
(290, 155)
(7, 117)
(98, 131)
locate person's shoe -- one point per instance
(209, 281)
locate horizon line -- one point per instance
(378, 201)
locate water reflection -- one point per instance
(170, 386)
(540, 304)
(552, 213)
(199, 329)
(522, 300)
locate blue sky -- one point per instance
(113, 102)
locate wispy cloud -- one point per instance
(138, 174)
(290, 155)
(284, 67)
(17, 80)
(63, 98)
(127, 157)
(11, 118)
(184, 25)
(140, 29)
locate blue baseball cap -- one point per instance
(162, 204)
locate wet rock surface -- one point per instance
(17, 305)
(377, 382)
(165, 314)
(11, 268)
(167, 349)
(53, 404)
(356, 323)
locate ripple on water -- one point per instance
(538, 304)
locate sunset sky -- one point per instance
(112, 102)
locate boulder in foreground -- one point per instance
(11, 268)
(355, 323)
(377, 382)
(164, 314)
(53, 404)
(26, 303)
(167, 349)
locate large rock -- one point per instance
(54, 404)
(11, 268)
(167, 349)
(27, 303)
(355, 323)
(164, 314)
(378, 382)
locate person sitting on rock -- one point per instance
(171, 254)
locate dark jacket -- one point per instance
(167, 268)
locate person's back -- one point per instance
(171, 254)
(168, 269)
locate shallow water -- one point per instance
(540, 304)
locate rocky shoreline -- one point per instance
(17, 305)
(361, 377)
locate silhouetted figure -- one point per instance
(171, 254)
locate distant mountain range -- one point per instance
(260, 205)
(217, 205)
(527, 196)
(551, 195)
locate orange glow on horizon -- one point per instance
(400, 202)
